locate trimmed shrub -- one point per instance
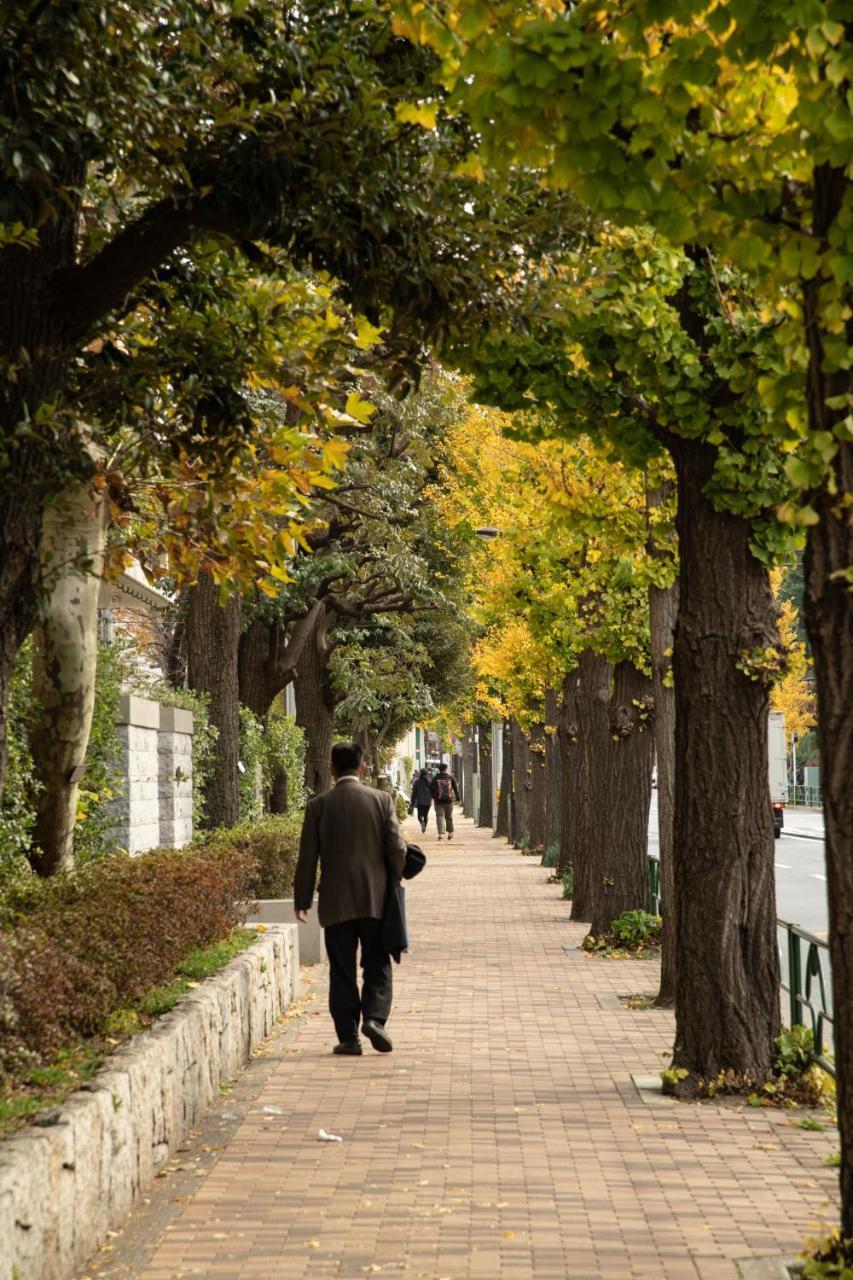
(272, 846)
(551, 856)
(78, 947)
(285, 750)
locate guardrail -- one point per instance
(806, 978)
(805, 963)
(810, 796)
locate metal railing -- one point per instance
(654, 885)
(809, 796)
(806, 985)
(805, 963)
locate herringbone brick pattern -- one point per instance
(503, 1139)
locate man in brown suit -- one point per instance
(353, 832)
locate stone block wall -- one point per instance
(65, 1185)
(175, 776)
(153, 804)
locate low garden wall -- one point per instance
(73, 1177)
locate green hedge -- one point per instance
(78, 947)
(99, 782)
(272, 845)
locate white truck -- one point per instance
(778, 769)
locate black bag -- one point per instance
(415, 861)
(395, 933)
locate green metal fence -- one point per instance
(810, 796)
(654, 886)
(806, 979)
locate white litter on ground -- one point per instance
(322, 1136)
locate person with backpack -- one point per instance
(443, 790)
(421, 797)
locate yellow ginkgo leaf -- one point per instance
(422, 113)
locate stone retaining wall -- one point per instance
(153, 801)
(67, 1182)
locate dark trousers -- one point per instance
(423, 814)
(345, 1003)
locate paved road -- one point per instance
(800, 871)
(503, 1139)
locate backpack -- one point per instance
(444, 788)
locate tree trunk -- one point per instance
(522, 783)
(269, 654)
(278, 791)
(315, 709)
(457, 771)
(663, 606)
(213, 636)
(584, 741)
(504, 814)
(65, 658)
(618, 877)
(727, 985)
(829, 622)
(553, 801)
(487, 783)
(538, 789)
(468, 771)
(33, 351)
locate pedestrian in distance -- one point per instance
(421, 798)
(352, 833)
(443, 790)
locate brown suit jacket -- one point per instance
(353, 832)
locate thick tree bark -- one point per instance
(727, 985)
(584, 739)
(468, 771)
(618, 878)
(213, 636)
(65, 658)
(487, 784)
(663, 606)
(504, 814)
(315, 709)
(522, 785)
(278, 791)
(538, 789)
(829, 622)
(553, 800)
(34, 469)
(269, 655)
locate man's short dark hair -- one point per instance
(346, 757)
(442, 768)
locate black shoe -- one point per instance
(349, 1048)
(378, 1036)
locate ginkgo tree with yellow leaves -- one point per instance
(726, 127)
(211, 356)
(562, 597)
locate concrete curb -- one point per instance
(67, 1182)
(768, 1268)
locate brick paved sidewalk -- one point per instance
(503, 1139)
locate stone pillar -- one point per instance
(137, 801)
(175, 776)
